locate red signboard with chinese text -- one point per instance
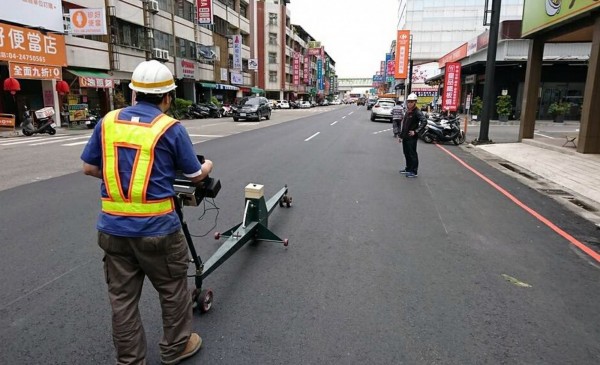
(296, 66)
(35, 72)
(306, 69)
(402, 54)
(455, 55)
(97, 83)
(30, 46)
(451, 95)
(205, 11)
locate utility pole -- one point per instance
(410, 68)
(490, 70)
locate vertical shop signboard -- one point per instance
(237, 52)
(450, 98)
(296, 69)
(402, 53)
(205, 11)
(319, 73)
(307, 69)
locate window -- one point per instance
(165, 5)
(185, 10)
(163, 40)
(273, 38)
(220, 26)
(272, 19)
(244, 10)
(185, 48)
(272, 76)
(272, 57)
(130, 35)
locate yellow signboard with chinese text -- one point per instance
(19, 44)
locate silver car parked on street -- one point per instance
(382, 110)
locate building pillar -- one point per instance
(533, 76)
(589, 135)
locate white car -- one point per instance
(382, 109)
(284, 104)
(304, 104)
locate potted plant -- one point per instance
(503, 107)
(476, 107)
(558, 111)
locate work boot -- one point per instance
(193, 345)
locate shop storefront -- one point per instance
(225, 94)
(186, 73)
(90, 92)
(35, 60)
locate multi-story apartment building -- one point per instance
(290, 70)
(439, 26)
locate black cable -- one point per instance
(201, 217)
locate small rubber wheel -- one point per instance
(204, 300)
(281, 202)
(288, 202)
(285, 242)
(217, 235)
(427, 138)
(52, 132)
(27, 132)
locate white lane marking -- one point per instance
(210, 125)
(334, 122)
(385, 130)
(311, 137)
(74, 144)
(28, 140)
(543, 135)
(58, 140)
(245, 123)
(350, 113)
(344, 117)
(206, 135)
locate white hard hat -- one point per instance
(412, 96)
(152, 77)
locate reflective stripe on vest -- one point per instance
(141, 137)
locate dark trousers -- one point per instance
(409, 147)
(164, 259)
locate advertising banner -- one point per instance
(96, 83)
(296, 69)
(542, 14)
(306, 69)
(87, 21)
(314, 51)
(186, 69)
(455, 55)
(320, 74)
(451, 95)
(36, 72)
(47, 14)
(402, 54)
(253, 64)
(237, 52)
(27, 45)
(205, 11)
(237, 78)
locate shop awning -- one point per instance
(226, 87)
(208, 85)
(257, 90)
(88, 73)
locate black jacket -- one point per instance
(414, 120)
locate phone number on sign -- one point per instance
(22, 57)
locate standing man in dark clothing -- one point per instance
(412, 123)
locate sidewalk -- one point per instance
(577, 172)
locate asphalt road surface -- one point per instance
(443, 269)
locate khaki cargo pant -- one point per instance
(164, 259)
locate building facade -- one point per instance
(245, 48)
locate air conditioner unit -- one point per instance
(153, 6)
(157, 53)
(150, 34)
(165, 54)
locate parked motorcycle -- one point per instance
(445, 130)
(197, 111)
(213, 110)
(93, 116)
(226, 110)
(42, 122)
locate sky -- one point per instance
(356, 33)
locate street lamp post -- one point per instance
(490, 70)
